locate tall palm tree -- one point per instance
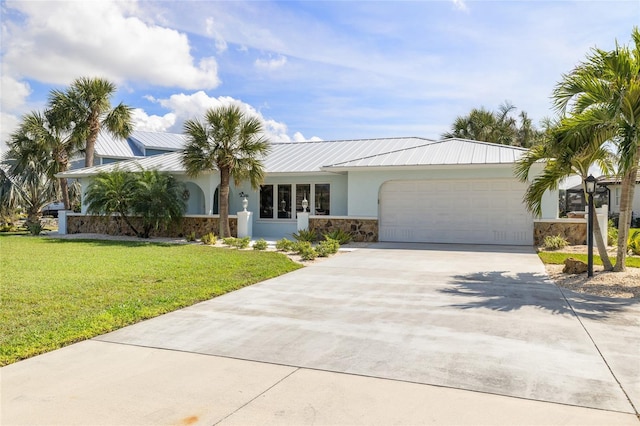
(55, 143)
(87, 105)
(565, 154)
(601, 97)
(231, 143)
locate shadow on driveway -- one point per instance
(502, 291)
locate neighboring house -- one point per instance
(614, 187)
(417, 190)
(139, 144)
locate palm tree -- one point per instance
(86, 105)
(496, 127)
(158, 200)
(565, 154)
(55, 142)
(112, 193)
(231, 143)
(601, 98)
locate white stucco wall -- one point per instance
(364, 185)
(615, 200)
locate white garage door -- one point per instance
(455, 211)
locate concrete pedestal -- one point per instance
(245, 224)
(62, 221)
(303, 221)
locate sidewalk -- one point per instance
(95, 382)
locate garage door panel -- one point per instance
(449, 211)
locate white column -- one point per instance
(62, 222)
(303, 221)
(245, 224)
(602, 216)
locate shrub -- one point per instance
(284, 245)
(327, 247)
(209, 239)
(307, 235)
(634, 243)
(300, 246)
(612, 234)
(261, 244)
(191, 236)
(229, 241)
(339, 235)
(239, 243)
(306, 252)
(554, 242)
(35, 228)
(243, 242)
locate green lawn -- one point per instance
(559, 257)
(56, 292)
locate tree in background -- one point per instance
(600, 101)
(86, 105)
(496, 127)
(231, 143)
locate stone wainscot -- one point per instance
(361, 229)
(114, 225)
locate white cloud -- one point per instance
(271, 63)
(14, 93)
(220, 42)
(189, 106)
(8, 123)
(460, 5)
(60, 40)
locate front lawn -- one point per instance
(56, 292)
(558, 258)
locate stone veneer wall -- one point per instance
(111, 225)
(362, 230)
(573, 231)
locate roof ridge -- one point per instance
(351, 140)
(486, 143)
(384, 153)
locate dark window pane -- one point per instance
(266, 202)
(284, 201)
(302, 192)
(323, 198)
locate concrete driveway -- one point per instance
(338, 341)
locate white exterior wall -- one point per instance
(364, 186)
(615, 200)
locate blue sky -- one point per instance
(309, 70)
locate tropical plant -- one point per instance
(554, 242)
(634, 243)
(157, 200)
(327, 247)
(231, 143)
(309, 235)
(86, 106)
(339, 235)
(209, 239)
(154, 196)
(497, 127)
(600, 98)
(564, 154)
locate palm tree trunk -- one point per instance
(627, 190)
(225, 231)
(90, 147)
(601, 244)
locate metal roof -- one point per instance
(109, 146)
(158, 140)
(445, 152)
(305, 157)
(614, 180)
(330, 156)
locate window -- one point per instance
(284, 201)
(288, 200)
(617, 196)
(322, 199)
(266, 202)
(303, 192)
